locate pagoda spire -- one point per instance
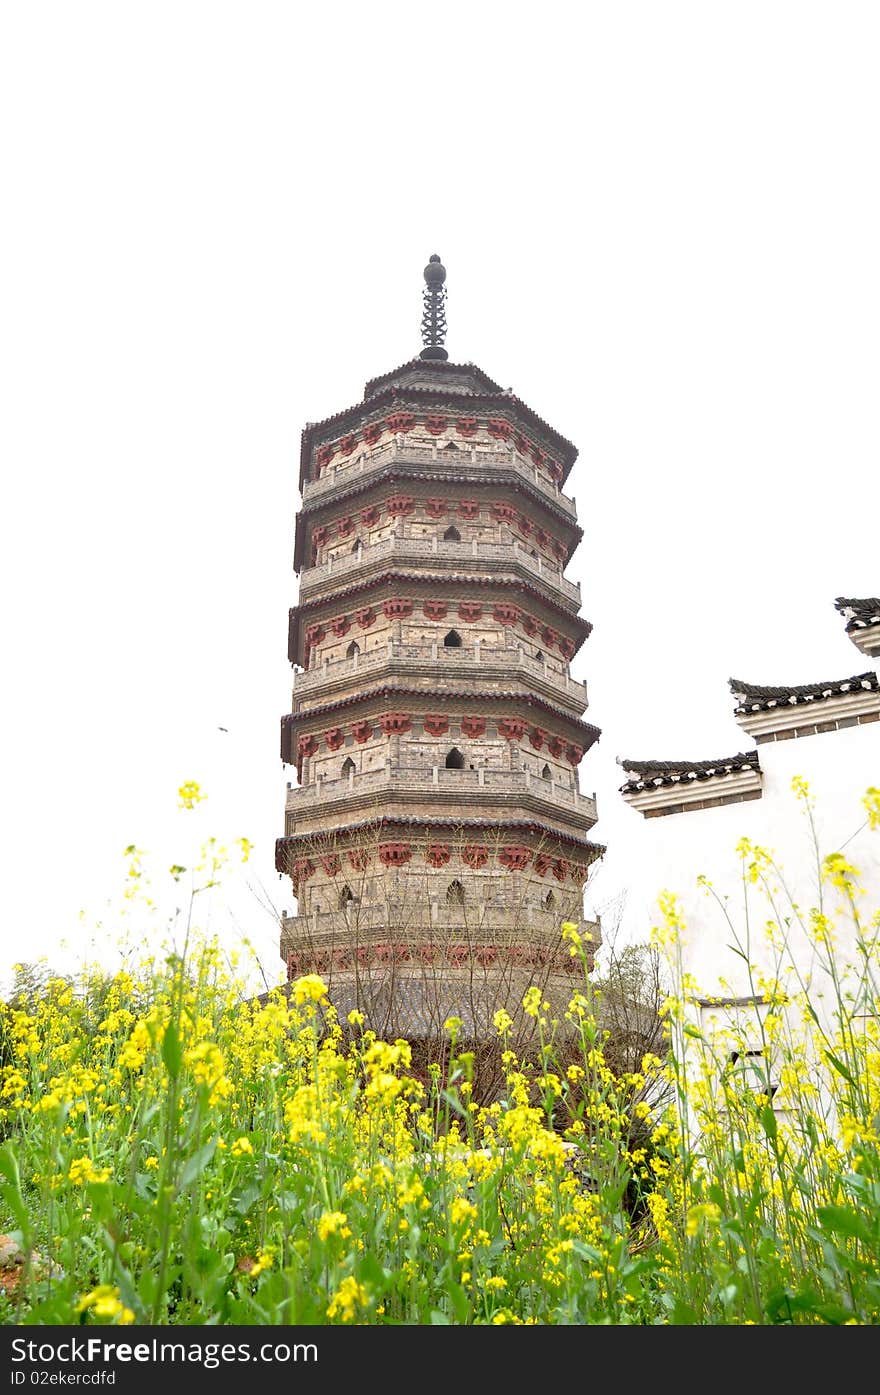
(434, 310)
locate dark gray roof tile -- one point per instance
(645, 773)
(754, 697)
(859, 614)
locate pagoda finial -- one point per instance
(434, 310)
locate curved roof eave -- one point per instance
(422, 395)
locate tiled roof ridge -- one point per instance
(404, 471)
(408, 470)
(755, 694)
(436, 366)
(863, 610)
(437, 821)
(393, 691)
(398, 574)
(691, 767)
(566, 447)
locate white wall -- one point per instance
(668, 853)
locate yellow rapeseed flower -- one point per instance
(503, 1022)
(333, 1223)
(462, 1210)
(190, 794)
(104, 1302)
(311, 988)
(83, 1170)
(532, 1001)
(347, 1299)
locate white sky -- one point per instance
(661, 226)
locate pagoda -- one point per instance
(436, 837)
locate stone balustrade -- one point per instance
(499, 556)
(455, 662)
(399, 452)
(448, 783)
(499, 927)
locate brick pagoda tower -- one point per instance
(436, 837)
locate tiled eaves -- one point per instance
(294, 721)
(467, 475)
(859, 613)
(753, 697)
(582, 629)
(783, 714)
(420, 397)
(293, 842)
(654, 774)
(862, 623)
(439, 367)
(656, 788)
(754, 1000)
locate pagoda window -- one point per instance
(353, 648)
(356, 545)
(348, 766)
(346, 896)
(539, 656)
(455, 894)
(545, 773)
(549, 901)
(450, 445)
(452, 640)
(452, 534)
(455, 760)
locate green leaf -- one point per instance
(459, 1300)
(843, 1220)
(196, 1164)
(122, 1276)
(586, 1252)
(11, 1188)
(171, 1052)
(768, 1122)
(454, 1103)
(145, 1186)
(100, 1196)
(243, 1201)
(782, 1304)
(840, 1067)
(9, 1165)
(370, 1271)
(683, 1314)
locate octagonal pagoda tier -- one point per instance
(436, 836)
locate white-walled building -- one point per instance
(689, 816)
